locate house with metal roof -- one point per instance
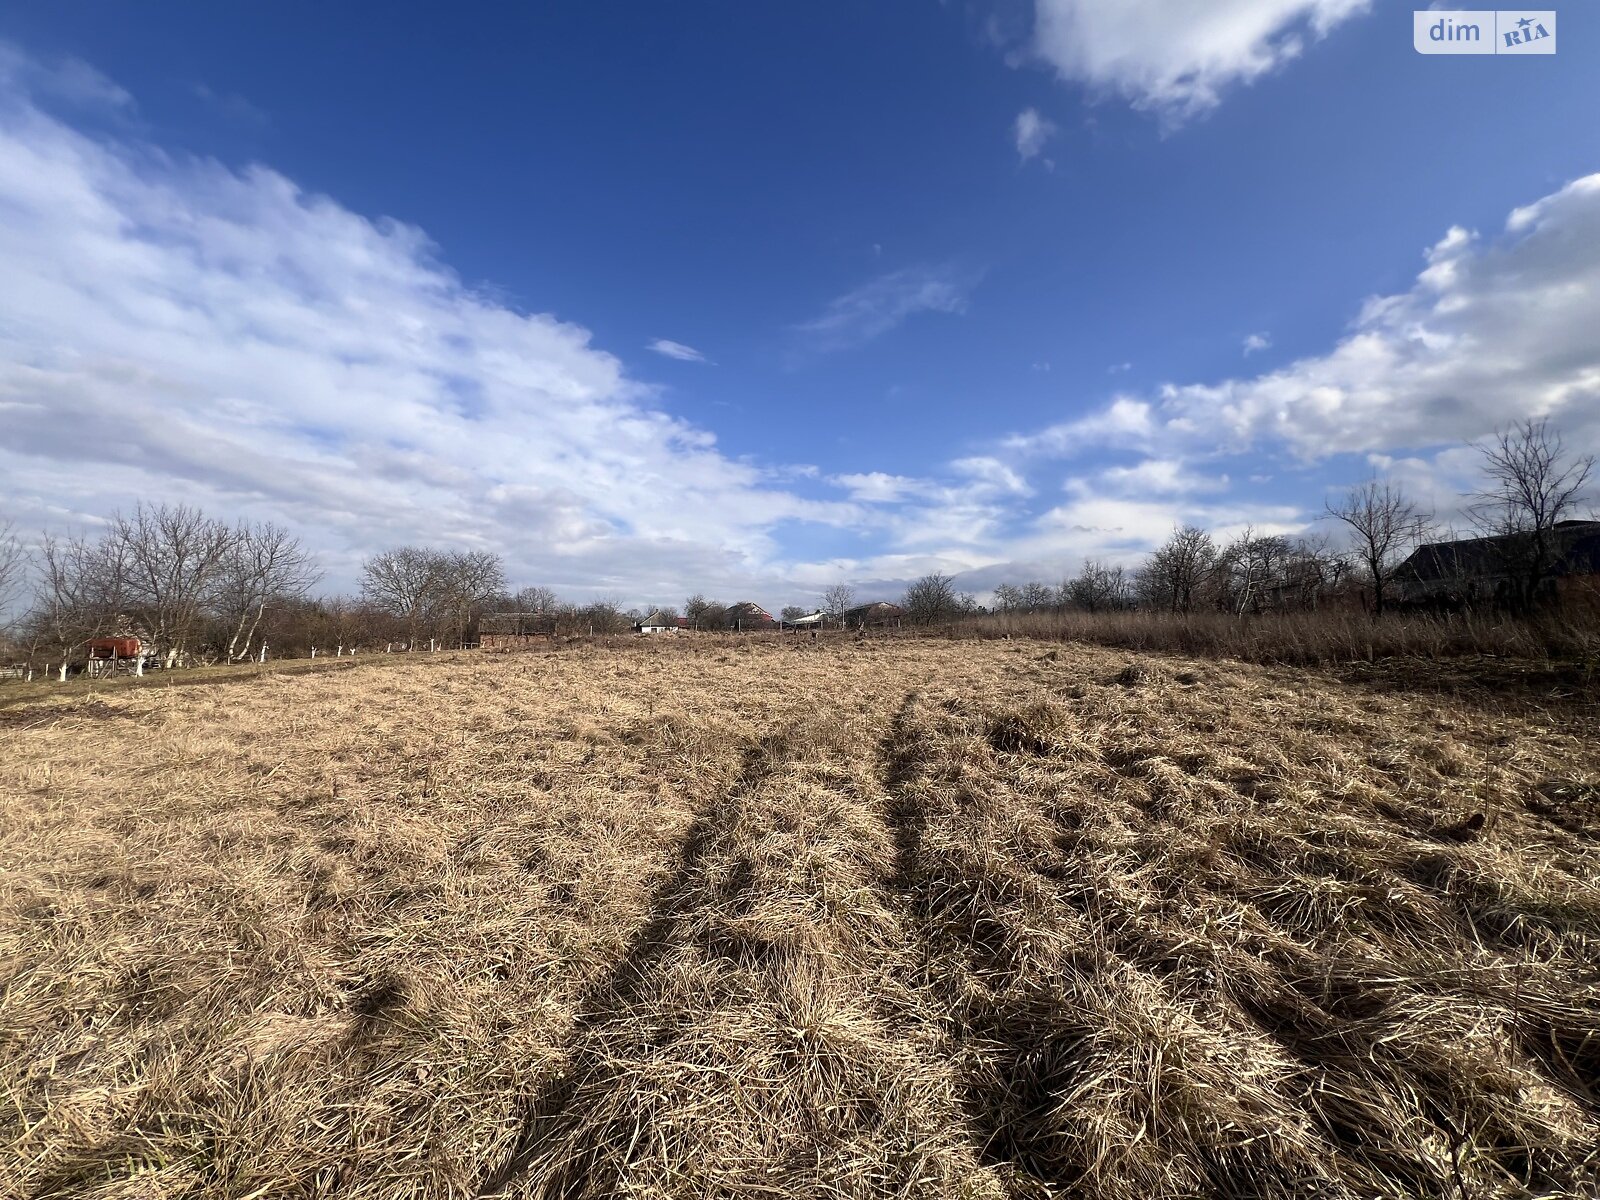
(1492, 569)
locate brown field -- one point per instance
(765, 919)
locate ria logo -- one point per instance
(1484, 31)
(1529, 29)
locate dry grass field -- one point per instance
(762, 919)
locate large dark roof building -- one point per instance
(1486, 568)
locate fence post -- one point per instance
(138, 662)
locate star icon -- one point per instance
(1524, 23)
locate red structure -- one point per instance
(113, 648)
(115, 656)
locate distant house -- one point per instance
(878, 614)
(814, 620)
(748, 615)
(1487, 570)
(514, 631)
(660, 622)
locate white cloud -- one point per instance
(1149, 477)
(1493, 330)
(1126, 421)
(1031, 132)
(988, 474)
(172, 329)
(677, 350)
(878, 486)
(1256, 341)
(61, 78)
(881, 304)
(1178, 57)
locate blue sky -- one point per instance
(749, 299)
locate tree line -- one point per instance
(1532, 483)
(199, 589)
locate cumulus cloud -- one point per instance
(174, 329)
(1031, 131)
(1177, 57)
(670, 349)
(881, 304)
(1256, 341)
(1493, 329)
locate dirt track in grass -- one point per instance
(724, 918)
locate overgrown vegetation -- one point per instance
(889, 917)
(1309, 638)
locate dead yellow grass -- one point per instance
(740, 919)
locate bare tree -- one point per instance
(1174, 576)
(1034, 596)
(1099, 587)
(1312, 570)
(836, 600)
(1007, 598)
(932, 599)
(468, 580)
(13, 564)
(1250, 569)
(174, 557)
(1385, 526)
(604, 615)
(403, 582)
(81, 592)
(534, 600)
(1534, 485)
(266, 565)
